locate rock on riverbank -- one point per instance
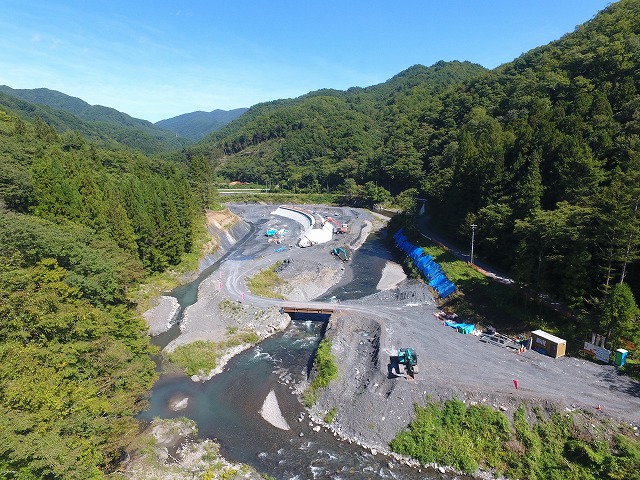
(168, 450)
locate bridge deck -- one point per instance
(320, 310)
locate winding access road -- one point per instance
(452, 362)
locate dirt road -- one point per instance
(371, 406)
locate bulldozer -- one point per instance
(408, 358)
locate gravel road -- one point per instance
(372, 404)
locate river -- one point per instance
(226, 408)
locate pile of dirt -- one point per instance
(371, 407)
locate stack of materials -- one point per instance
(431, 270)
(464, 328)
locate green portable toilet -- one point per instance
(621, 357)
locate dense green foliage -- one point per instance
(80, 223)
(317, 141)
(561, 447)
(71, 374)
(146, 206)
(456, 435)
(325, 371)
(621, 316)
(542, 154)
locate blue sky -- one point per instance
(158, 59)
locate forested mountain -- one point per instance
(196, 125)
(541, 153)
(79, 225)
(322, 138)
(93, 121)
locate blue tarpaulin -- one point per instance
(465, 328)
(430, 269)
(416, 253)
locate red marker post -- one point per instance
(515, 384)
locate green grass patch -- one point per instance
(326, 370)
(200, 357)
(240, 338)
(310, 397)
(230, 307)
(195, 358)
(559, 446)
(456, 435)
(264, 284)
(331, 415)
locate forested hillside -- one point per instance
(542, 153)
(95, 122)
(79, 225)
(196, 125)
(321, 139)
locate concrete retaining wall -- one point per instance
(310, 235)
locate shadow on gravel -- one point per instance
(393, 367)
(619, 382)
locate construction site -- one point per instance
(393, 345)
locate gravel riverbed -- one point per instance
(372, 402)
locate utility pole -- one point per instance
(473, 236)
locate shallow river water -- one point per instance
(226, 408)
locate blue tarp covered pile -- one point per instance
(465, 328)
(431, 270)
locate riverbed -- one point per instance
(227, 407)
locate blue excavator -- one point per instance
(343, 253)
